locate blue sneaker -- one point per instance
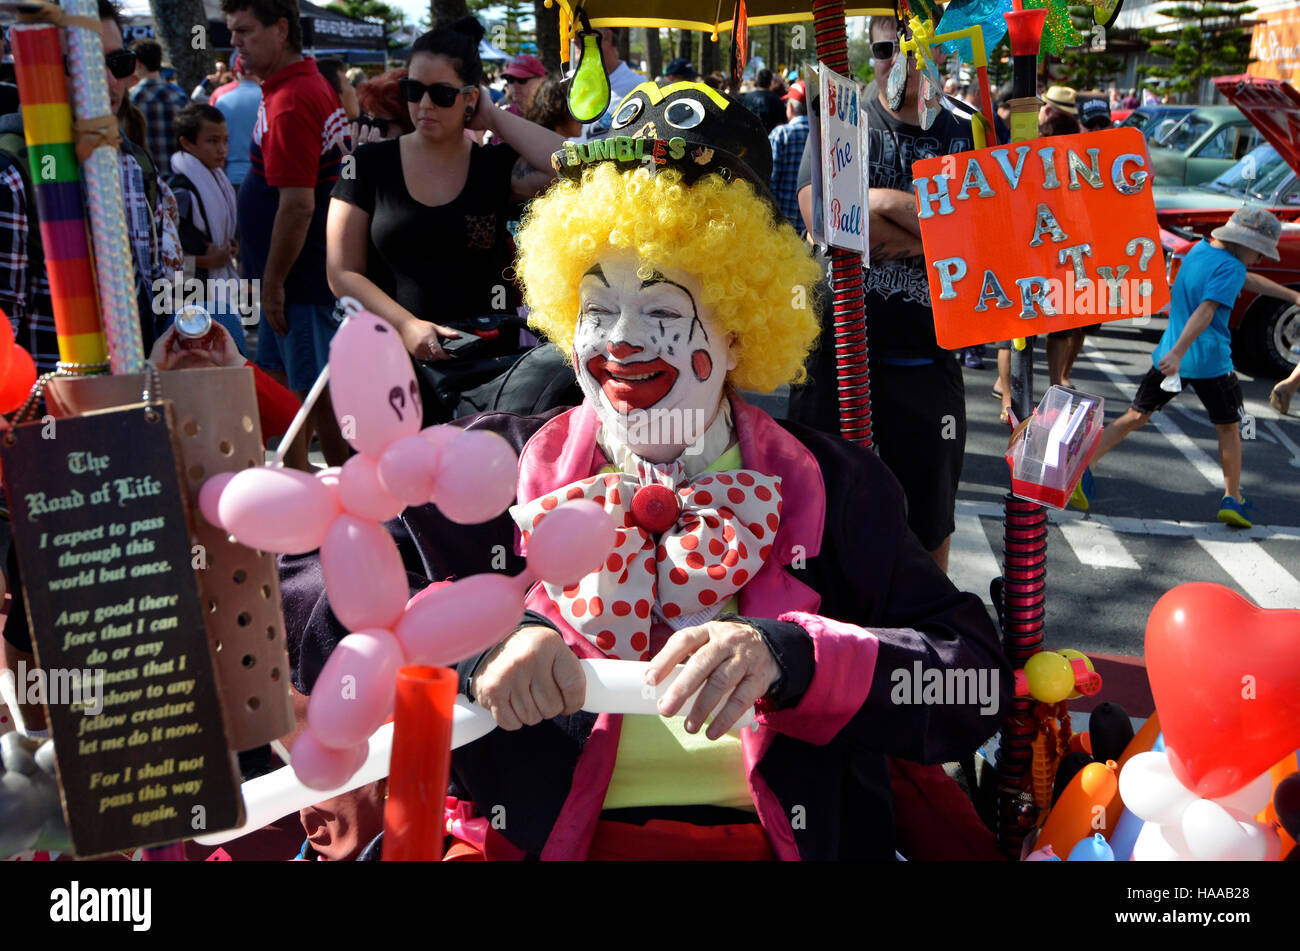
(1084, 492)
(1233, 512)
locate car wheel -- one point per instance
(1271, 334)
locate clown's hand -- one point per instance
(529, 677)
(30, 814)
(731, 661)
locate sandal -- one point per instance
(1006, 415)
(997, 394)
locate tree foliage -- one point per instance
(392, 18)
(1085, 66)
(1210, 42)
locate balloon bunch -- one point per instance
(469, 475)
(1179, 825)
(1225, 675)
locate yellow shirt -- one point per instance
(660, 764)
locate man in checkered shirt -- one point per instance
(159, 100)
(787, 149)
(24, 284)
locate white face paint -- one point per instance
(648, 356)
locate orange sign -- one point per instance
(1041, 235)
(1275, 46)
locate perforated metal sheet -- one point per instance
(218, 430)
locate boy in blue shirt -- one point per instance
(1197, 346)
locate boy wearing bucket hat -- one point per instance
(1196, 346)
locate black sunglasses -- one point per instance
(121, 63)
(883, 49)
(510, 80)
(441, 94)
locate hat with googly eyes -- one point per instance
(686, 126)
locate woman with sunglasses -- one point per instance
(418, 232)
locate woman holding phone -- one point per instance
(417, 233)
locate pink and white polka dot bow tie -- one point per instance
(682, 549)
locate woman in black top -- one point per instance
(417, 227)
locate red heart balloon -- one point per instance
(1225, 675)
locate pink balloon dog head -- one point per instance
(470, 475)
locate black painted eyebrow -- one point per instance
(596, 272)
(657, 278)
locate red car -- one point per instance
(1266, 332)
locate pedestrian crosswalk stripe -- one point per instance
(1097, 546)
(1263, 580)
(971, 562)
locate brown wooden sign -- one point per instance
(103, 539)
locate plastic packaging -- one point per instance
(1049, 452)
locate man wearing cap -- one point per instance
(524, 74)
(1095, 114)
(681, 70)
(787, 143)
(1196, 348)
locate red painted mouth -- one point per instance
(632, 386)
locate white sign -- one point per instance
(844, 173)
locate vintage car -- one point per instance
(1202, 144)
(1153, 120)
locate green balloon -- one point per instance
(589, 90)
(1104, 12)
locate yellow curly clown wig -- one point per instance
(757, 274)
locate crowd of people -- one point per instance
(407, 190)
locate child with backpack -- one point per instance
(206, 201)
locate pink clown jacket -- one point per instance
(848, 600)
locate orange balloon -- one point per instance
(1278, 772)
(17, 382)
(1086, 797)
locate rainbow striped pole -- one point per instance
(47, 125)
(113, 262)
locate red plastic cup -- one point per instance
(1026, 30)
(414, 825)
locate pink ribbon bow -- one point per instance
(721, 537)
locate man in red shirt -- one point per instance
(294, 157)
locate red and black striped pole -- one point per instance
(847, 281)
(1024, 540)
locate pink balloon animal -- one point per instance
(469, 475)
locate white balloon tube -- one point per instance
(613, 686)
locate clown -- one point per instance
(772, 561)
